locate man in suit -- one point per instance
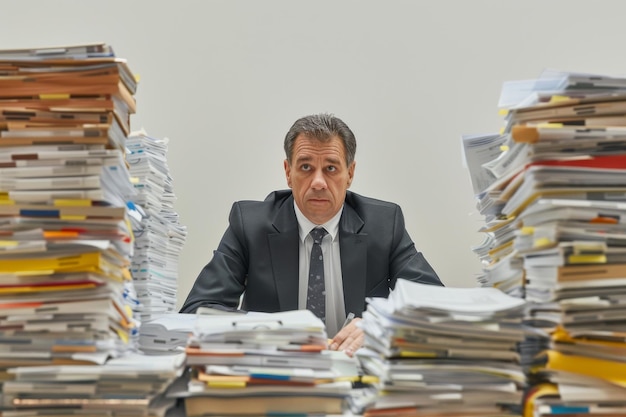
(265, 254)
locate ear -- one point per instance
(287, 172)
(351, 173)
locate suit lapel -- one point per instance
(353, 247)
(285, 253)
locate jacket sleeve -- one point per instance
(405, 261)
(221, 282)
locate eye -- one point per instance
(306, 167)
(331, 168)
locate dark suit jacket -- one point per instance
(258, 256)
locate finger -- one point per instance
(347, 342)
(355, 345)
(340, 337)
(353, 341)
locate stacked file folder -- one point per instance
(159, 236)
(553, 194)
(265, 364)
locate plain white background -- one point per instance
(224, 80)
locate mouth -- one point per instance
(318, 200)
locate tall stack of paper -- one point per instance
(159, 236)
(444, 351)
(502, 268)
(65, 254)
(555, 208)
(265, 364)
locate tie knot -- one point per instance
(318, 234)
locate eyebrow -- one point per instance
(333, 161)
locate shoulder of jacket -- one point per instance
(275, 198)
(358, 200)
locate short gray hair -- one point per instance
(322, 127)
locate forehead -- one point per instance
(307, 147)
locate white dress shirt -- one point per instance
(335, 306)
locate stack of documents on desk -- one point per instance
(159, 236)
(65, 284)
(133, 385)
(260, 364)
(444, 351)
(557, 212)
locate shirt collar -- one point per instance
(305, 225)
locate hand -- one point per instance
(349, 339)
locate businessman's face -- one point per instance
(319, 177)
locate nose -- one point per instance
(319, 182)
